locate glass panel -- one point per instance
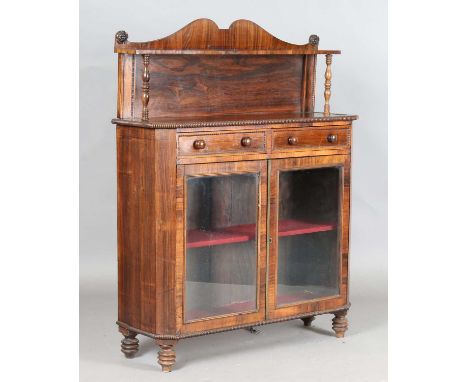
(221, 249)
(308, 258)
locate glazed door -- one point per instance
(224, 255)
(309, 211)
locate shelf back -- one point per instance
(213, 85)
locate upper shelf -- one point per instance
(203, 36)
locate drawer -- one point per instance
(310, 138)
(203, 144)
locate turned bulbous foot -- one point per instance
(129, 345)
(167, 355)
(340, 323)
(308, 320)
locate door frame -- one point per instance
(217, 169)
(324, 303)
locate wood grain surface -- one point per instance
(211, 102)
(200, 85)
(203, 36)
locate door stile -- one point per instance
(268, 238)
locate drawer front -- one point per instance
(310, 138)
(203, 144)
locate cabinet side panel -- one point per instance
(136, 206)
(308, 83)
(166, 227)
(126, 86)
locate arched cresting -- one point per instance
(204, 34)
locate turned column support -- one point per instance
(340, 323)
(129, 345)
(308, 320)
(167, 355)
(145, 88)
(328, 76)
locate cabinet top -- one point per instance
(233, 120)
(203, 36)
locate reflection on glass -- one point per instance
(221, 254)
(308, 259)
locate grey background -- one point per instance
(359, 86)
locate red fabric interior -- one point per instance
(237, 234)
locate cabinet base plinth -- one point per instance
(166, 343)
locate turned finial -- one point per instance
(121, 37)
(314, 39)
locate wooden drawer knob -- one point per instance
(332, 138)
(199, 144)
(246, 141)
(292, 140)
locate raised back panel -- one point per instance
(210, 85)
(203, 70)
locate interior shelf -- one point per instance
(241, 233)
(246, 306)
(295, 297)
(292, 227)
(197, 238)
(237, 307)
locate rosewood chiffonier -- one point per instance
(233, 192)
